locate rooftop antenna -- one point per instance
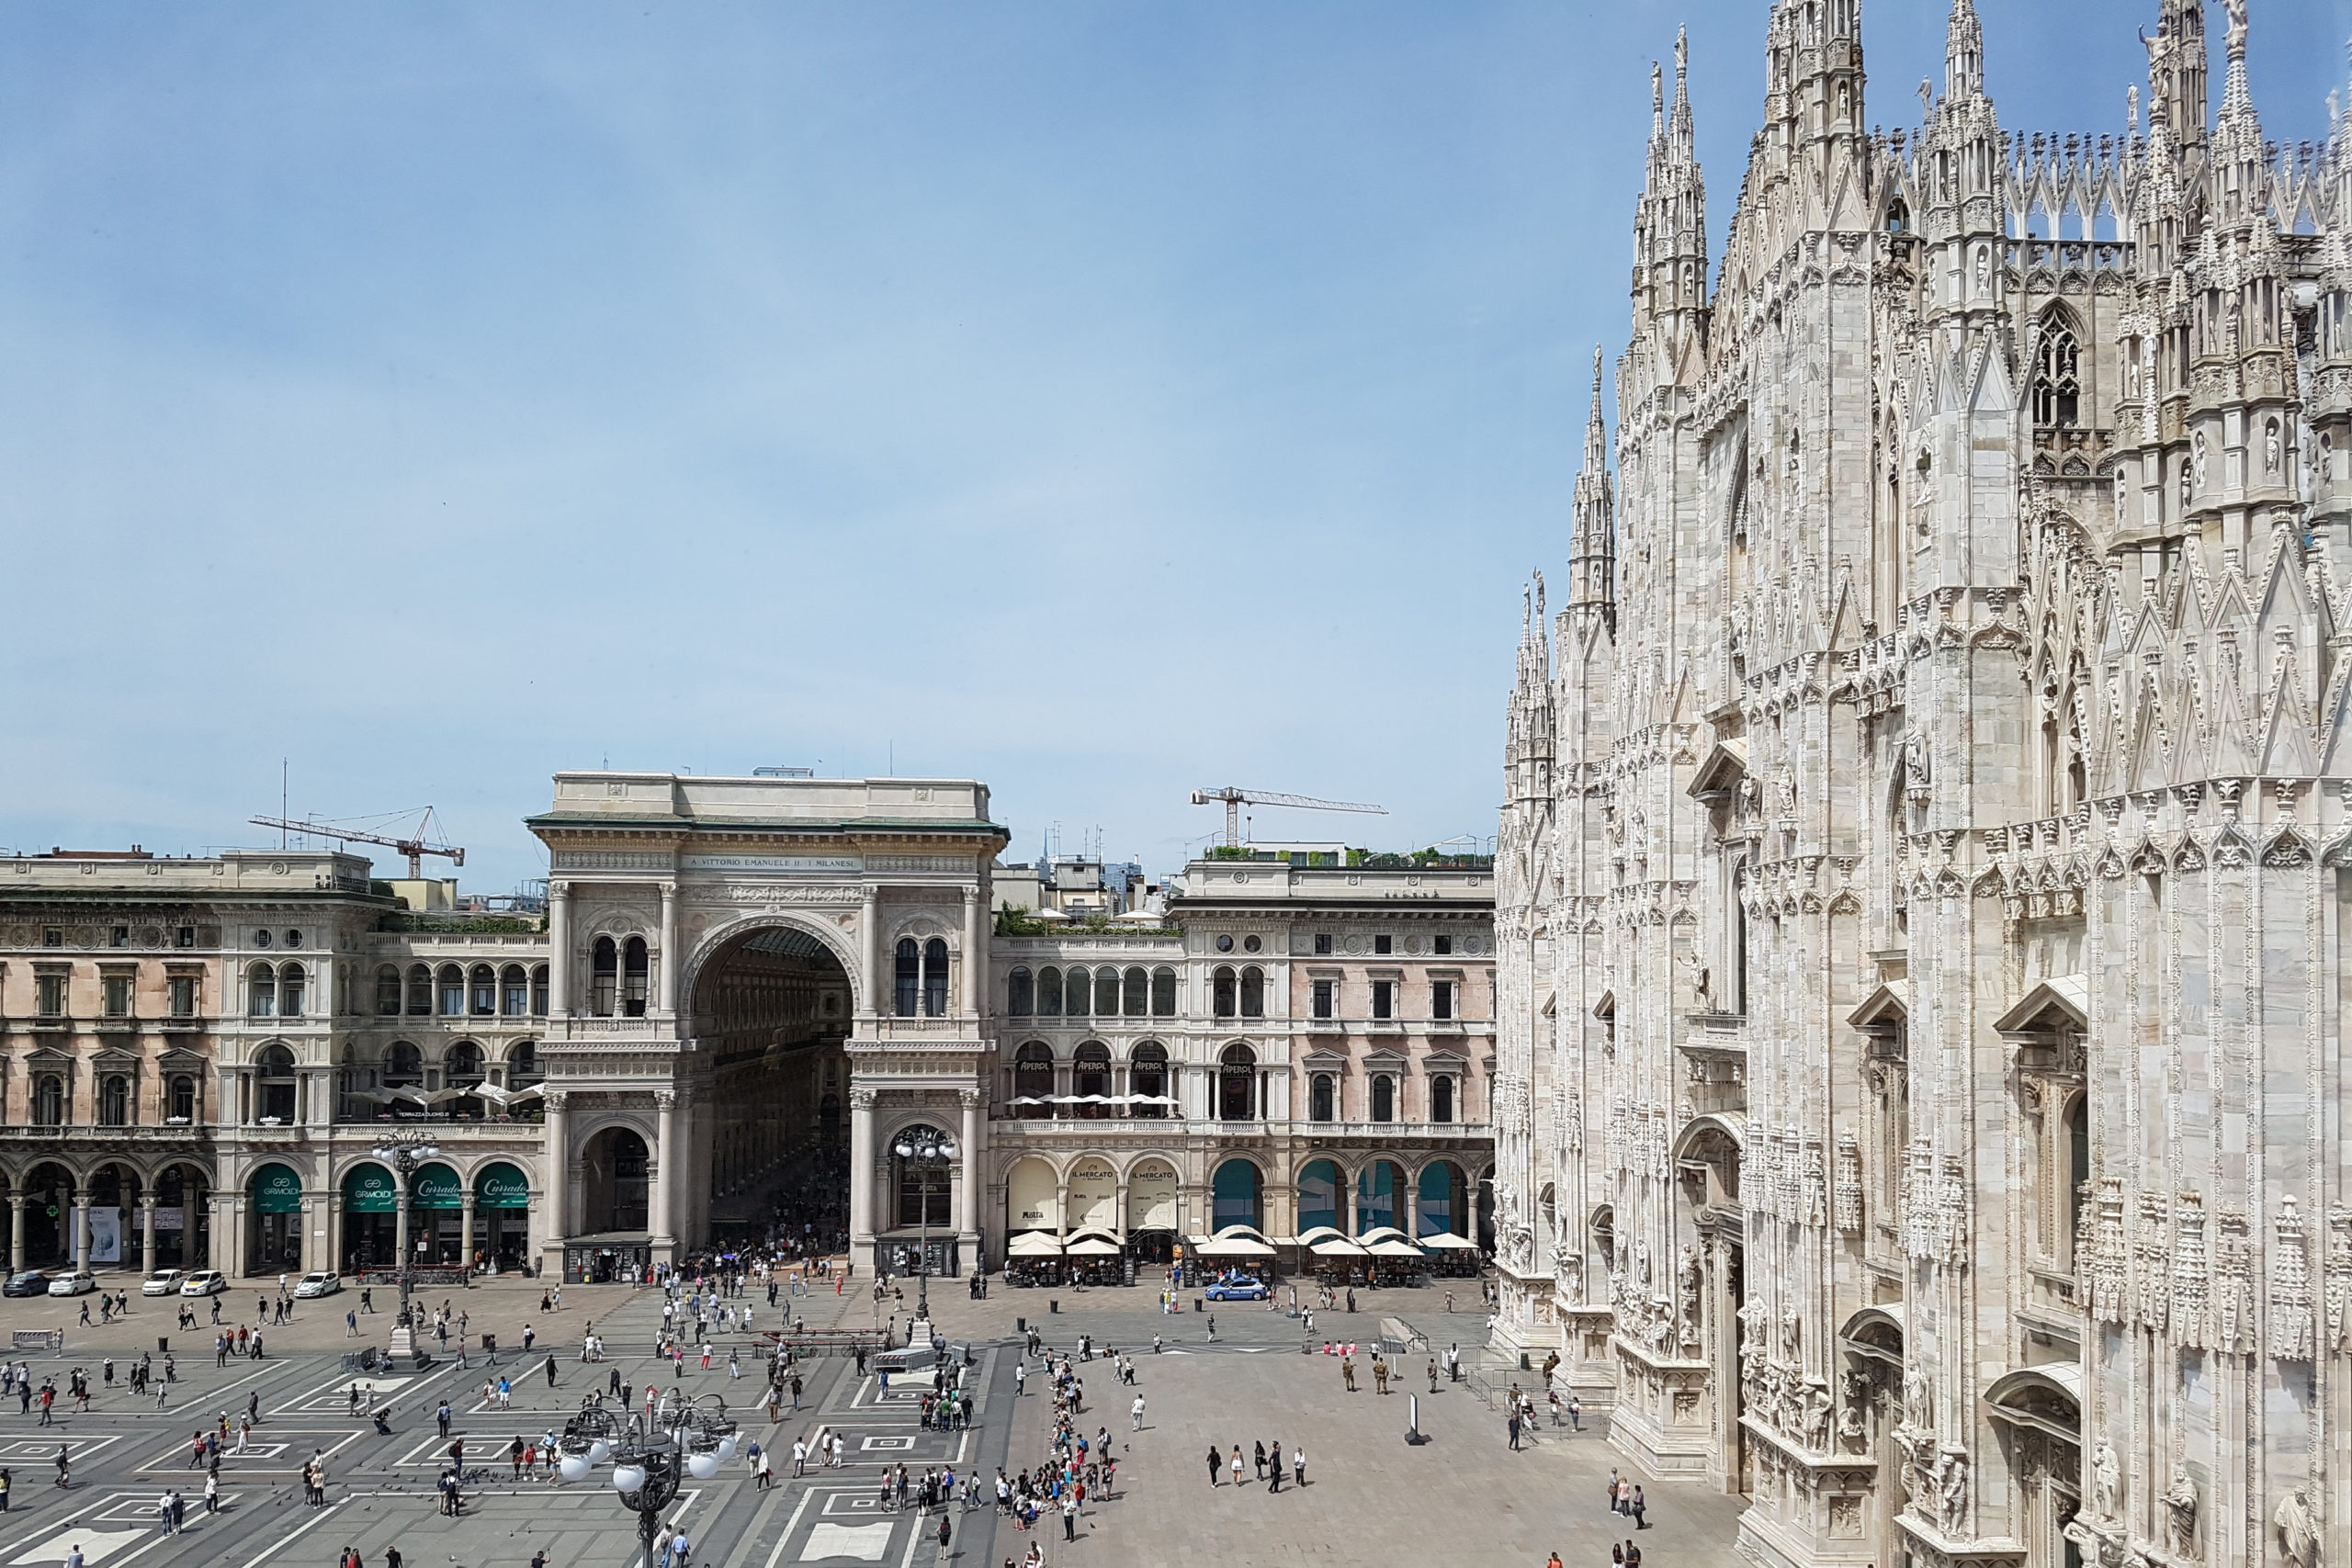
(285, 776)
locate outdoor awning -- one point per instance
(1314, 1234)
(1034, 1243)
(1236, 1246)
(1336, 1247)
(1092, 1100)
(1447, 1241)
(1397, 1246)
(1382, 1233)
(1090, 1243)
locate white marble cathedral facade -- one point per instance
(1924, 903)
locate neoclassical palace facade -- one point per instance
(735, 977)
(1923, 893)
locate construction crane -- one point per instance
(1236, 798)
(416, 847)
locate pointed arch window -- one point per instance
(2057, 376)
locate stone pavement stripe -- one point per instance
(318, 1517)
(750, 1540)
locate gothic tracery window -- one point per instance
(2057, 384)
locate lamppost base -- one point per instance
(404, 1350)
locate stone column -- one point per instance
(399, 1218)
(861, 1178)
(17, 1232)
(967, 1196)
(466, 1229)
(867, 913)
(335, 1231)
(669, 949)
(147, 1232)
(555, 1179)
(558, 950)
(81, 1231)
(659, 1221)
(975, 955)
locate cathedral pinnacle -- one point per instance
(1963, 52)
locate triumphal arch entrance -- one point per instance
(760, 979)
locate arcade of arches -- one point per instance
(114, 1216)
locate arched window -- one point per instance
(907, 993)
(1106, 993)
(1253, 992)
(1135, 993)
(113, 1102)
(485, 991)
(1236, 1086)
(182, 1098)
(387, 991)
(2057, 384)
(1078, 993)
(1441, 1099)
(514, 991)
(261, 992)
(274, 1085)
(292, 990)
(49, 1101)
(538, 990)
(604, 976)
(1148, 1075)
(1221, 992)
(462, 1068)
(523, 1065)
(1323, 1098)
(636, 972)
(923, 1187)
(1020, 992)
(1090, 1074)
(1898, 216)
(450, 981)
(934, 978)
(1049, 992)
(1163, 992)
(403, 1066)
(1032, 1078)
(1383, 1097)
(420, 990)
(2078, 1169)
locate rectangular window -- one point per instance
(1384, 944)
(1441, 999)
(181, 990)
(1324, 990)
(187, 936)
(117, 996)
(119, 937)
(49, 995)
(1383, 999)
(52, 936)
(1322, 944)
(1442, 946)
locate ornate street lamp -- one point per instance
(404, 1153)
(928, 1152)
(652, 1461)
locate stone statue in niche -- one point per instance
(1952, 1491)
(2107, 1482)
(2298, 1530)
(2270, 448)
(2180, 1514)
(2197, 459)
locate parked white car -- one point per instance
(163, 1283)
(74, 1284)
(203, 1283)
(318, 1284)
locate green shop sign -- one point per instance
(370, 1190)
(436, 1186)
(501, 1186)
(276, 1190)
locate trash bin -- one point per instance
(1196, 1303)
(489, 1344)
(1523, 1362)
(163, 1345)
(1053, 1306)
(1021, 1325)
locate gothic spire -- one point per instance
(1683, 139)
(1592, 547)
(1963, 52)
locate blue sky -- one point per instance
(1099, 399)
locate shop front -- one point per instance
(273, 1235)
(371, 1203)
(623, 1258)
(1152, 1232)
(436, 1217)
(502, 1217)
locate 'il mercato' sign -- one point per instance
(773, 865)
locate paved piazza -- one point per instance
(1370, 1496)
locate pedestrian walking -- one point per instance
(1136, 1410)
(1216, 1463)
(1514, 1428)
(1639, 1523)
(1275, 1484)
(1576, 1413)
(1237, 1465)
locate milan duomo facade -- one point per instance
(1923, 905)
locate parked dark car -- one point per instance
(31, 1282)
